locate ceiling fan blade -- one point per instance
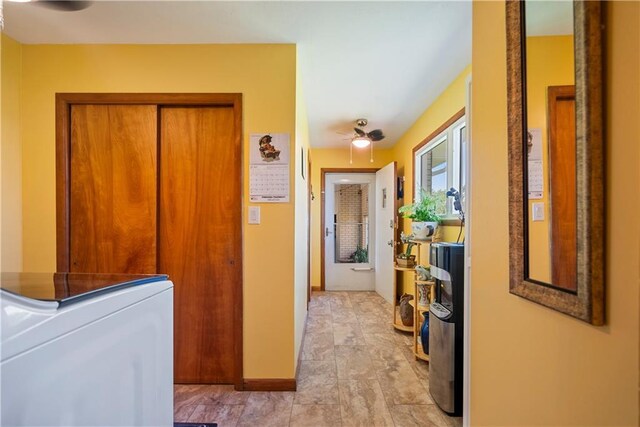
(376, 135)
(360, 132)
(64, 6)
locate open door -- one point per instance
(350, 238)
(385, 208)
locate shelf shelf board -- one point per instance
(420, 242)
(401, 327)
(421, 308)
(425, 282)
(396, 267)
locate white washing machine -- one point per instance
(86, 350)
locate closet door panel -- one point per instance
(113, 188)
(200, 237)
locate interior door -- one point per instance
(349, 231)
(562, 178)
(113, 165)
(200, 231)
(385, 230)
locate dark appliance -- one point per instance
(446, 323)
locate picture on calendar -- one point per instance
(269, 148)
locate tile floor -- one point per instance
(355, 370)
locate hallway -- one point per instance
(355, 370)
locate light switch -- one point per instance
(254, 214)
(538, 211)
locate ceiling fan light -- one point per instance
(361, 141)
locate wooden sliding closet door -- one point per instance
(200, 237)
(112, 192)
(562, 177)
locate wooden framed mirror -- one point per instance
(556, 155)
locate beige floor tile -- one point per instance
(362, 404)
(381, 340)
(383, 356)
(223, 415)
(318, 346)
(344, 315)
(315, 416)
(354, 363)
(322, 323)
(317, 383)
(401, 386)
(417, 416)
(182, 412)
(221, 394)
(267, 409)
(347, 334)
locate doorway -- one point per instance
(365, 257)
(349, 231)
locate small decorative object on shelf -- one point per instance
(423, 272)
(406, 310)
(424, 333)
(405, 259)
(423, 293)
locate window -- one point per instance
(439, 166)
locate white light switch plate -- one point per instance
(538, 211)
(254, 214)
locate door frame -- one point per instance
(64, 101)
(323, 172)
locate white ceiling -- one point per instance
(385, 61)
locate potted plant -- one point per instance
(405, 259)
(423, 216)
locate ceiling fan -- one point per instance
(60, 5)
(362, 139)
(64, 5)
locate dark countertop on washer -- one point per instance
(66, 288)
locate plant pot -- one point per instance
(406, 262)
(423, 230)
(406, 311)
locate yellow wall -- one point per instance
(448, 103)
(264, 74)
(549, 63)
(334, 158)
(531, 365)
(11, 158)
(301, 262)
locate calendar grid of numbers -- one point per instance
(269, 168)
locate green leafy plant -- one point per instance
(360, 255)
(423, 210)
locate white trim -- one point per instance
(466, 362)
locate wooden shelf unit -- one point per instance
(417, 313)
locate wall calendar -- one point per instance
(269, 167)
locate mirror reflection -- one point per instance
(551, 142)
(351, 223)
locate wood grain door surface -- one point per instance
(200, 236)
(562, 177)
(113, 188)
(157, 189)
